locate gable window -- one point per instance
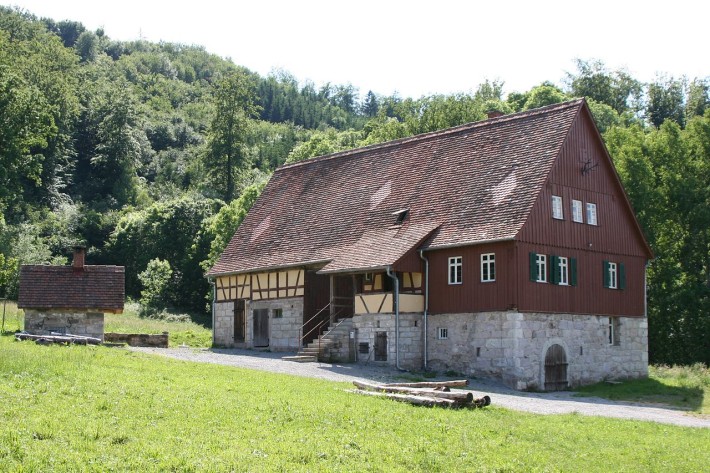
(488, 267)
(577, 211)
(614, 275)
(455, 270)
(557, 207)
(591, 213)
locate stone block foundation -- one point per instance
(45, 322)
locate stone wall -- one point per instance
(138, 339)
(512, 346)
(43, 322)
(283, 331)
(410, 338)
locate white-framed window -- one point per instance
(591, 213)
(455, 270)
(613, 331)
(557, 207)
(368, 277)
(541, 262)
(563, 265)
(612, 275)
(488, 267)
(577, 211)
(443, 333)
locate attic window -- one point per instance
(401, 216)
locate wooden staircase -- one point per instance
(322, 348)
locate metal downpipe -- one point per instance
(214, 300)
(426, 305)
(396, 313)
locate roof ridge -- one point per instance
(438, 133)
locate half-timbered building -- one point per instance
(505, 248)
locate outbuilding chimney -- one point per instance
(79, 258)
(494, 113)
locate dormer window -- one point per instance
(401, 216)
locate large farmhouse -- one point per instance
(503, 248)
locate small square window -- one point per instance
(455, 270)
(488, 267)
(577, 211)
(368, 277)
(557, 207)
(443, 333)
(591, 213)
(278, 313)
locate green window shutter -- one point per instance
(605, 273)
(533, 267)
(573, 271)
(555, 269)
(621, 276)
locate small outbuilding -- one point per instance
(70, 299)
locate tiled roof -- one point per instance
(474, 183)
(99, 288)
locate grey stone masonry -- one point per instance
(44, 322)
(410, 338)
(513, 346)
(283, 330)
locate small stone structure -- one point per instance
(41, 322)
(70, 299)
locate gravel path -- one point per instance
(539, 403)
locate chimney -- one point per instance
(79, 257)
(494, 113)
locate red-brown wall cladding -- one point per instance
(472, 295)
(615, 231)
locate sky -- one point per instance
(415, 47)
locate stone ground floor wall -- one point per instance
(44, 322)
(513, 346)
(283, 330)
(410, 338)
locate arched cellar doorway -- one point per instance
(555, 368)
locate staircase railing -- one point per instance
(302, 336)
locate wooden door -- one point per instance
(261, 327)
(381, 346)
(317, 296)
(555, 369)
(239, 321)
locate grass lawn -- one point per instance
(687, 387)
(189, 333)
(91, 408)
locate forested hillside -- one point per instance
(151, 154)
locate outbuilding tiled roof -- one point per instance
(465, 185)
(90, 287)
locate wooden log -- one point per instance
(461, 397)
(432, 384)
(416, 400)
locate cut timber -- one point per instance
(433, 384)
(416, 400)
(45, 339)
(463, 397)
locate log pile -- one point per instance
(65, 339)
(424, 394)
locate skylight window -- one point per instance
(401, 216)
